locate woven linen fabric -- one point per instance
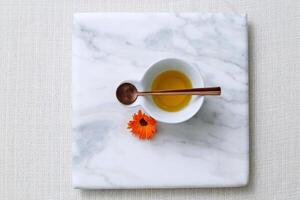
(35, 98)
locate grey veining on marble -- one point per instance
(210, 150)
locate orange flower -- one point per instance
(142, 125)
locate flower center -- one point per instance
(143, 122)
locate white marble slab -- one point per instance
(210, 150)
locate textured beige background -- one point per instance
(35, 110)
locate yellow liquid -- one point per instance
(171, 80)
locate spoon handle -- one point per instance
(192, 91)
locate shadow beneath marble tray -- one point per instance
(252, 75)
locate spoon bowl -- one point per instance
(127, 93)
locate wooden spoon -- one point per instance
(127, 93)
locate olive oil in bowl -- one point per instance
(171, 80)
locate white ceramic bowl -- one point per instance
(145, 84)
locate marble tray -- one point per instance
(210, 150)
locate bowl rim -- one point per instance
(198, 104)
